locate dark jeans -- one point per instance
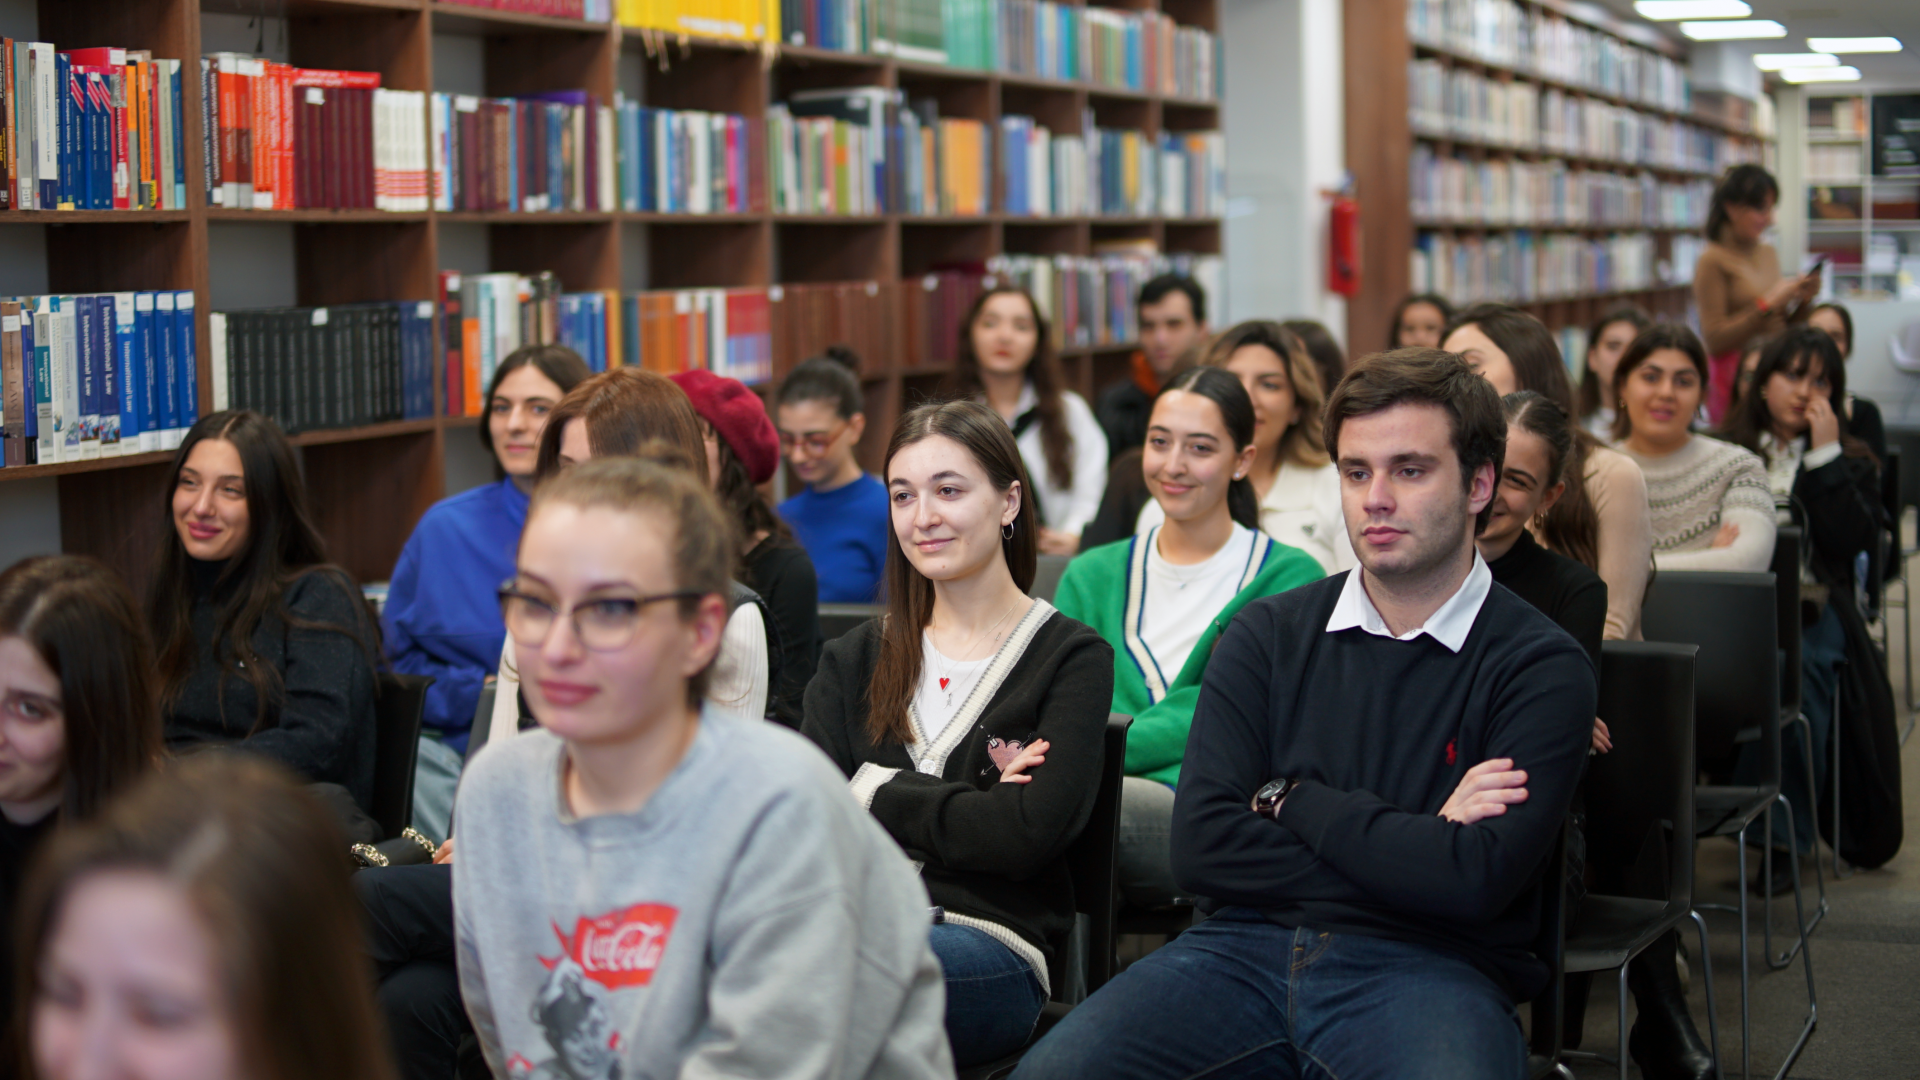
(1823, 648)
(409, 920)
(1239, 996)
(993, 998)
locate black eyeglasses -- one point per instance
(602, 625)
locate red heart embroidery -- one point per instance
(943, 684)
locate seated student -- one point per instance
(1863, 416)
(971, 720)
(1162, 598)
(1325, 352)
(1607, 341)
(840, 517)
(78, 719)
(1823, 477)
(1603, 521)
(648, 885)
(1419, 321)
(1298, 489)
(1378, 767)
(1711, 508)
(262, 645)
(1173, 322)
(742, 452)
(441, 617)
(1007, 362)
(199, 927)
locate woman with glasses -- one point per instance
(841, 515)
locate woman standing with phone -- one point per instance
(1737, 284)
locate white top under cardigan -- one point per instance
(1067, 509)
(738, 683)
(1179, 603)
(1301, 510)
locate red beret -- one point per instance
(737, 414)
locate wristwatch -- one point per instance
(1266, 801)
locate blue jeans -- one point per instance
(1823, 648)
(1239, 996)
(993, 998)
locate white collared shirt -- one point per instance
(1449, 624)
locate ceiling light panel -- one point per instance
(1733, 30)
(1821, 74)
(1781, 61)
(1667, 10)
(1854, 44)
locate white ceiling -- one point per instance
(1838, 18)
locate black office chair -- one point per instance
(1546, 1034)
(1787, 548)
(482, 721)
(1641, 793)
(1046, 576)
(838, 620)
(1893, 570)
(1093, 862)
(1733, 618)
(401, 701)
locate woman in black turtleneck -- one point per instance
(262, 645)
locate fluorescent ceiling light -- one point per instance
(1780, 61)
(1821, 74)
(1853, 44)
(1659, 10)
(1733, 30)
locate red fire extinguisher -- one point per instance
(1343, 240)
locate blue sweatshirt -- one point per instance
(845, 532)
(443, 613)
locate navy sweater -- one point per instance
(1379, 733)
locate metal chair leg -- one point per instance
(1706, 974)
(1785, 959)
(1622, 1048)
(1833, 759)
(1806, 961)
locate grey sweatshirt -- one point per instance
(750, 921)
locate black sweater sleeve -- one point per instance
(1842, 504)
(1410, 861)
(325, 728)
(784, 578)
(1583, 614)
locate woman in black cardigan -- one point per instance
(970, 718)
(1828, 481)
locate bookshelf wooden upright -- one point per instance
(371, 484)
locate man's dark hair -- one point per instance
(1156, 289)
(1427, 377)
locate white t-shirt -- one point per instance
(1067, 509)
(1181, 601)
(937, 704)
(1301, 510)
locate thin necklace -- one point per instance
(946, 675)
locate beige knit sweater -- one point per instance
(1698, 488)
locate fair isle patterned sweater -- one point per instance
(1694, 491)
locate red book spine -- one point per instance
(363, 146)
(336, 80)
(449, 330)
(243, 127)
(333, 166)
(229, 86)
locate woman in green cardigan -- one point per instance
(1162, 597)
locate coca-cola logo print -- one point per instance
(621, 948)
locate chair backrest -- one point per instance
(1548, 1029)
(838, 620)
(1890, 560)
(396, 711)
(1093, 859)
(1644, 786)
(482, 720)
(1046, 576)
(1733, 619)
(1786, 596)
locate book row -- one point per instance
(1522, 266)
(1446, 102)
(1539, 42)
(89, 129)
(1091, 300)
(96, 375)
(279, 137)
(325, 367)
(589, 10)
(1550, 193)
(541, 152)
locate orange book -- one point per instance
(470, 362)
(615, 354)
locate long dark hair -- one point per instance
(78, 616)
(1792, 353)
(1741, 185)
(259, 860)
(1846, 320)
(282, 546)
(1539, 415)
(1589, 395)
(562, 367)
(746, 507)
(909, 594)
(831, 376)
(1300, 442)
(1324, 351)
(1571, 526)
(1236, 411)
(1661, 335)
(1056, 441)
(1438, 302)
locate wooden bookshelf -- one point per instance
(1380, 140)
(371, 484)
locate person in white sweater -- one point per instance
(1297, 485)
(648, 885)
(1710, 503)
(1007, 361)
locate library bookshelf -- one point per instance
(1384, 145)
(1866, 222)
(369, 485)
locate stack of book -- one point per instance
(1123, 166)
(867, 317)
(484, 318)
(1550, 193)
(1092, 300)
(1041, 174)
(1542, 42)
(735, 20)
(89, 129)
(589, 10)
(278, 137)
(726, 331)
(864, 151)
(1522, 266)
(542, 152)
(312, 368)
(95, 375)
(934, 312)
(1193, 174)
(685, 161)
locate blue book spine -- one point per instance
(649, 160)
(69, 132)
(186, 356)
(98, 180)
(146, 364)
(88, 366)
(168, 363)
(179, 139)
(103, 345)
(29, 380)
(127, 369)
